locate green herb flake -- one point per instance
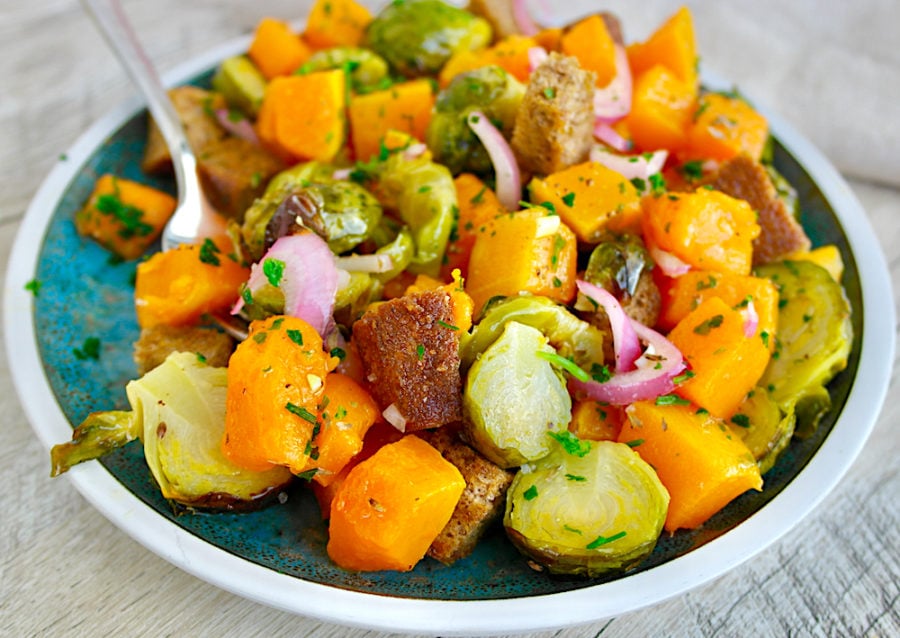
(702, 411)
(34, 287)
(741, 420)
(693, 170)
(259, 337)
(549, 93)
(420, 352)
(575, 477)
(90, 349)
(571, 443)
(339, 353)
(246, 295)
(566, 364)
(129, 217)
(448, 326)
(209, 252)
(603, 540)
(634, 442)
(707, 326)
(273, 269)
(308, 474)
(684, 376)
(569, 199)
(671, 399)
(296, 336)
(302, 412)
(600, 373)
(764, 335)
(574, 530)
(200, 357)
(531, 493)
(479, 196)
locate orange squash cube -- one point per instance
(529, 251)
(589, 198)
(726, 363)
(701, 463)
(390, 507)
(707, 229)
(124, 216)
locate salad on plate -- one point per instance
(477, 273)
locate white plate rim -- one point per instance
(450, 617)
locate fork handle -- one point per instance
(112, 22)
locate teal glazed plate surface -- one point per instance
(277, 556)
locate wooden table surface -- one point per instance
(66, 571)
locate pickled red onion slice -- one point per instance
(625, 341)
(653, 376)
(506, 169)
(309, 279)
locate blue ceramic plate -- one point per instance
(277, 556)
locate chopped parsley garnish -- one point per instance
(302, 412)
(273, 269)
(693, 169)
(420, 351)
(246, 295)
(569, 199)
(603, 540)
(707, 326)
(201, 357)
(549, 93)
(571, 443)
(296, 336)
(130, 217)
(90, 349)
(764, 335)
(600, 373)
(209, 252)
(34, 286)
(634, 442)
(259, 337)
(338, 352)
(741, 420)
(449, 326)
(566, 364)
(308, 474)
(531, 493)
(671, 399)
(479, 197)
(575, 477)
(681, 378)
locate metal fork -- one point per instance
(194, 217)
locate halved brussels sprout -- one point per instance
(588, 508)
(813, 341)
(513, 429)
(617, 263)
(571, 336)
(423, 194)
(490, 90)
(367, 69)
(178, 411)
(417, 37)
(343, 213)
(764, 427)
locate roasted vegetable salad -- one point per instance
(478, 273)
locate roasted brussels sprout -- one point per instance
(417, 37)
(367, 69)
(342, 212)
(617, 263)
(490, 90)
(763, 427)
(178, 411)
(813, 342)
(535, 400)
(571, 336)
(588, 508)
(241, 84)
(424, 197)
